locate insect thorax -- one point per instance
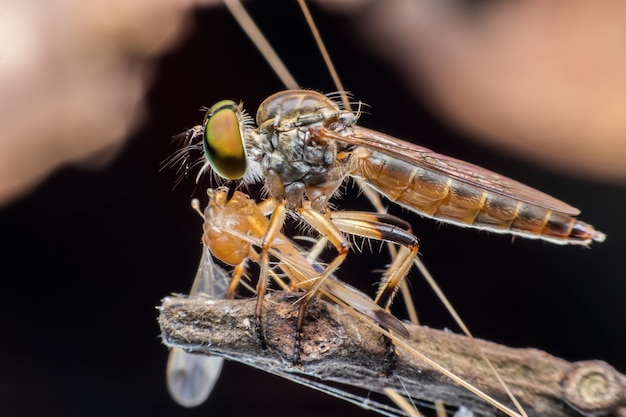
(299, 164)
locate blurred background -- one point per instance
(87, 254)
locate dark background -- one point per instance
(87, 256)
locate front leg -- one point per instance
(277, 220)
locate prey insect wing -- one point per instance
(191, 378)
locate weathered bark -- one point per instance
(340, 347)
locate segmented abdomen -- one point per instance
(441, 197)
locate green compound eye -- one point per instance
(223, 141)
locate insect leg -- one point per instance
(330, 231)
(384, 227)
(276, 223)
(324, 226)
(374, 197)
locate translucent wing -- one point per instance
(191, 378)
(462, 171)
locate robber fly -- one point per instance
(305, 145)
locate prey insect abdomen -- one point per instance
(441, 197)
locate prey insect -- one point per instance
(190, 377)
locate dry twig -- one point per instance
(340, 347)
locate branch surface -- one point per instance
(342, 348)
